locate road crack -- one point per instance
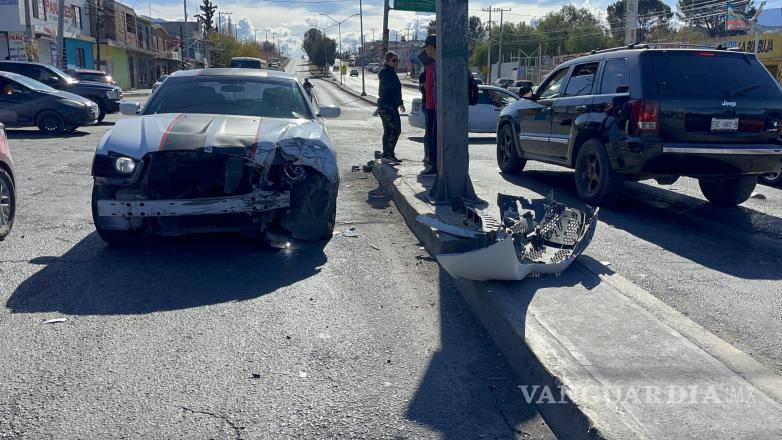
(237, 429)
(504, 416)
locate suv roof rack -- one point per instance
(629, 46)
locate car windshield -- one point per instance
(32, 84)
(61, 74)
(712, 74)
(246, 64)
(240, 96)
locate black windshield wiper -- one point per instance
(744, 89)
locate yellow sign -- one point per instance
(769, 45)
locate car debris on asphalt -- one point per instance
(54, 321)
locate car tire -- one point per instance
(596, 182)
(51, 122)
(7, 203)
(729, 192)
(101, 111)
(313, 209)
(110, 236)
(508, 158)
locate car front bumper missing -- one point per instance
(254, 202)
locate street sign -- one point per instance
(415, 5)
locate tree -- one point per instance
(476, 30)
(710, 15)
(556, 27)
(653, 16)
(320, 49)
(207, 15)
(432, 28)
(586, 37)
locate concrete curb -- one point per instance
(368, 99)
(543, 354)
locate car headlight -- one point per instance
(125, 165)
(72, 103)
(113, 166)
(112, 94)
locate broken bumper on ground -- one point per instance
(254, 202)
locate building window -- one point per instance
(81, 58)
(130, 23)
(77, 17)
(36, 9)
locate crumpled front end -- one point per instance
(534, 237)
(284, 187)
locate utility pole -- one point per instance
(386, 8)
(60, 62)
(499, 68)
(453, 160)
(488, 57)
(98, 27)
(184, 2)
(267, 37)
(631, 21)
(363, 58)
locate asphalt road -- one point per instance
(721, 267)
(218, 337)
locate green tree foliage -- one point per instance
(586, 37)
(557, 27)
(224, 47)
(653, 16)
(320, 49)
(710, 15)
(207, 15)
(476, 29)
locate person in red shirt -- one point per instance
(430, 45)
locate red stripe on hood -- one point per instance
(168, 130)
(258, 132)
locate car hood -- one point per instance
(72, 96)
(258, 139)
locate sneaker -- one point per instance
(391, 160)
(377, 193)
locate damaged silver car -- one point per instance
(533, 237)
(218, 150)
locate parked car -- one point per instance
(7, 187)
(91, 75)
(482, 117)
(159, 81)
(25, 102)
(522, 87)
(503, 82)
(106, 96)
(637, 113)
(248, 63)
(353, 72)
(218, 150)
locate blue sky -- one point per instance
(288, 19)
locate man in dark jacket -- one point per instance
(389, 103)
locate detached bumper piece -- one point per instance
(534, 237)
(254, 202)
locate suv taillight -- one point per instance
(646, 114)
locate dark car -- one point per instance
(639, 113)
(25, 102)
(106, 96)
(7, 188)
(91, 75)
(247, 63)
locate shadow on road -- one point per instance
(674, 222)
(467, 393)
(36, 134)
(93, 278)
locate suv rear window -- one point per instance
(712, 74)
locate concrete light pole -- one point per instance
(363, 55)
(339, 31)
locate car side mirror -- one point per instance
(622, 89)
(129, 108)
(53, 80)
(329, 112)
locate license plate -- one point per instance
(719, 124)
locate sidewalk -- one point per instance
(628, 365)
(136, 93)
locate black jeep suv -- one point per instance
(106, 96)
(639, 113)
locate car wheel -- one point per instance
(101, 111)
(110, 236)
(771, 178)
(730, 192)
(7, 203)
(51, 122)
(508, 158)
(313, 209)
(596, 182)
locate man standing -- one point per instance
(430, 104)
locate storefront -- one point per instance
(114, 61)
